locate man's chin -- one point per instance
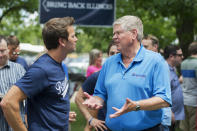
(71, 51)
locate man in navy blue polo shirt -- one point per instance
(94, 118)
(14, 51)
(137, 76)
(45, 84)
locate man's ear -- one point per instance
(134, 32)
(62, 42)
(156, 46)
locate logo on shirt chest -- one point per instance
(138, 75)
(62, 87)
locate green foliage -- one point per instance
(12, 20)
(167, 19)
(154, 23)
(15, 8)
(84, 43)
(94, 37)
(182, 12)
(26, 32)
(80, 120)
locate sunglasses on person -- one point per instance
(15, 53)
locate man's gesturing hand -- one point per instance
(92, 102)
(127, 107)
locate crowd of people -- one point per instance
(136, 89)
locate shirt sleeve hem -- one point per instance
(22, 90)
(165, 99)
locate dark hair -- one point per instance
(193, 48)
(112, 43)
(54, 29)
(13, 41)
(154, 39)
(170, 50)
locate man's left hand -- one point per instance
(127, 107)
(72, 116)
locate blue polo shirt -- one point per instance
(177, 95)
(145, 77)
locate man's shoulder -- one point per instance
(14, 64)
(114, 58)
(154, 56)
(94, 75)
(16, 68)
(21, 59)
(44, 63)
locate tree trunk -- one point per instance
(185, 32)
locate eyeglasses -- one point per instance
(15, 53)
(113, 53)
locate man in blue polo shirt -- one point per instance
(137, 76)
(174, 55)
(44, 84)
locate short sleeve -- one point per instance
(100, 89)
(161, 81)
(33, 82)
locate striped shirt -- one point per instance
(9, 74)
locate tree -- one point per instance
(159, 26)
(182, 11)
(14, 8)
(166, 19)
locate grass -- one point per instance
(80, 122)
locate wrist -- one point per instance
(137, 107)
(90, 120)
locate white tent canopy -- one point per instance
(31, 48)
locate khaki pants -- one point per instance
(189, 124)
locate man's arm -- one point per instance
(153, 103)
(97, 124)
(79, 100)
(11, 108)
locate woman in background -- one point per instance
(95, 62)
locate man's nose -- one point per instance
(114, 36)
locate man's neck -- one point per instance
(131, 51)
(129, 54)
(170, 63)
(2, 65)
(57, 55)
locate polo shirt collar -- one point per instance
(139, 57)
(171, 68)
(7, 65)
